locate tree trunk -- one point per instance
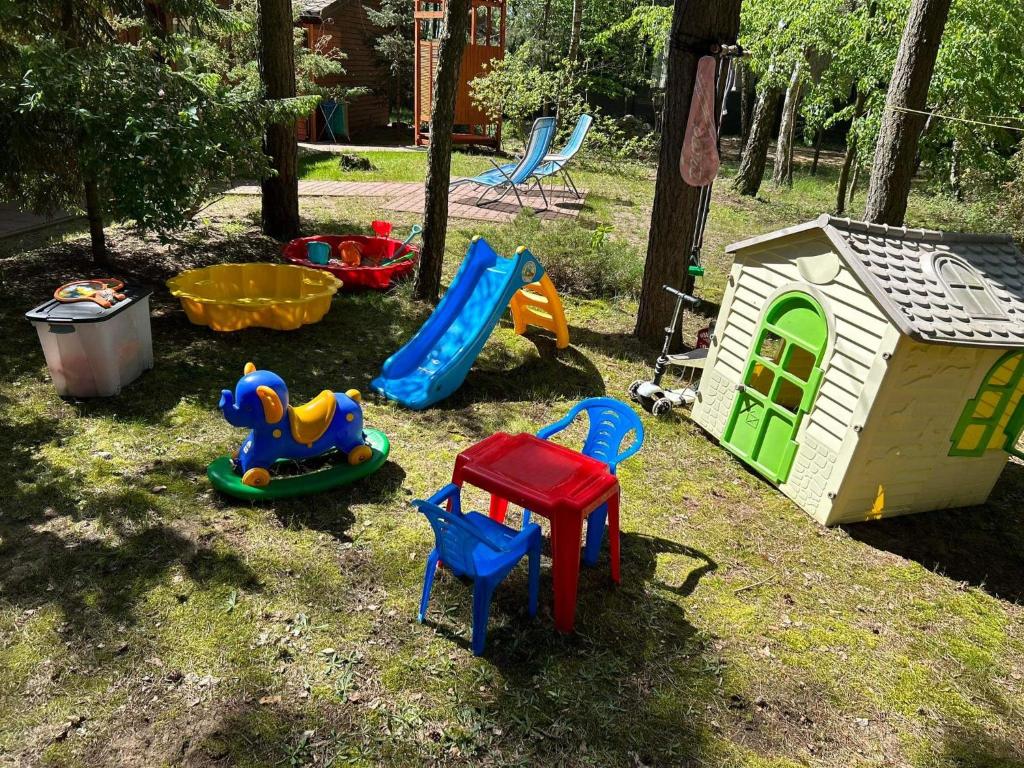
(844, 175)
(748, 95)
(782, 174)
(674, 215)
(439, 156)
(94, 213)
(576, 30)
(280, 202)
(851, 153)
(545, 47)
(755, 153)
(819, 136)
(955, 179)
(853, 185)
(892, 169)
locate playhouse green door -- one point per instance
(780, 381)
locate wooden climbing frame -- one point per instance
(486, 43)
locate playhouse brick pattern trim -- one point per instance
(812, 469)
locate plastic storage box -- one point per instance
(93, 351)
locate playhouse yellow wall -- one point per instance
(901, 463)
(855, 364)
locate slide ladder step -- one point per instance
(539, 304)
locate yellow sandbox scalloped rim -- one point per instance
(281, 312)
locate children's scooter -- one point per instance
(650, 393)
(698, 165)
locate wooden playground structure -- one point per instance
(486, 43)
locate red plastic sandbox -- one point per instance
(366, 276)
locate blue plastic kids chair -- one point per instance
(611, 421)
(484, 550)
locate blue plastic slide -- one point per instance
(434, 363)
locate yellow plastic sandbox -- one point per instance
(229, 297)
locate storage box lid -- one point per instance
(54, 311)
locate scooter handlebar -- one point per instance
(691, 300)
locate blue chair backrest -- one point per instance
(611, 422)
(579, 133)
(455, 538)
(538, 145)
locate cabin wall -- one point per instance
(349, 29)
(902, 463)
(854, 365)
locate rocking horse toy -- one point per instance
(330, 426)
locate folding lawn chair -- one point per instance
(555, 163)
(512, 176)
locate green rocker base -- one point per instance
(224, 478)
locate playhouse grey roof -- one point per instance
(895, 265)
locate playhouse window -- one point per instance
(968, 288)
(991, 420)
(770, 348)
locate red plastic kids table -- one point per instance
(550, 480)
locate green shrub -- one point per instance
(586, 263)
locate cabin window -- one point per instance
(994, 417)
(968, 288)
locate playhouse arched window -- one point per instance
(968, 288)
(994, 418)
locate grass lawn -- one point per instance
(146, 621)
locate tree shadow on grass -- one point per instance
(972, 748)
(619, 346)
(93, 553)
(331, 512)
(193, 363)
(982, 546)
(502, 375)
(633, 649)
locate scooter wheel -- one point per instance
(634, 388)
(661, 408)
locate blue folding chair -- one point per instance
(512, 176)
(611, 422)
(474, 546)
(556, 163)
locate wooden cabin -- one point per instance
(486, 43)
(344, 25)
(870, 371)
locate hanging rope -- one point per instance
(964, 119)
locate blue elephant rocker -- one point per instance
(329, 424)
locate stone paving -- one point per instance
(408, 196)
(344, 148)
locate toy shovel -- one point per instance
(416, 229)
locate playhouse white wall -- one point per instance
(861, 341)
(901, 463)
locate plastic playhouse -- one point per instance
(330, 423)
(870, 371)
(95, 335)
(229, 297)
(434, 363)
(360, 262)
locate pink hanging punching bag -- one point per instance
(699, 160)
